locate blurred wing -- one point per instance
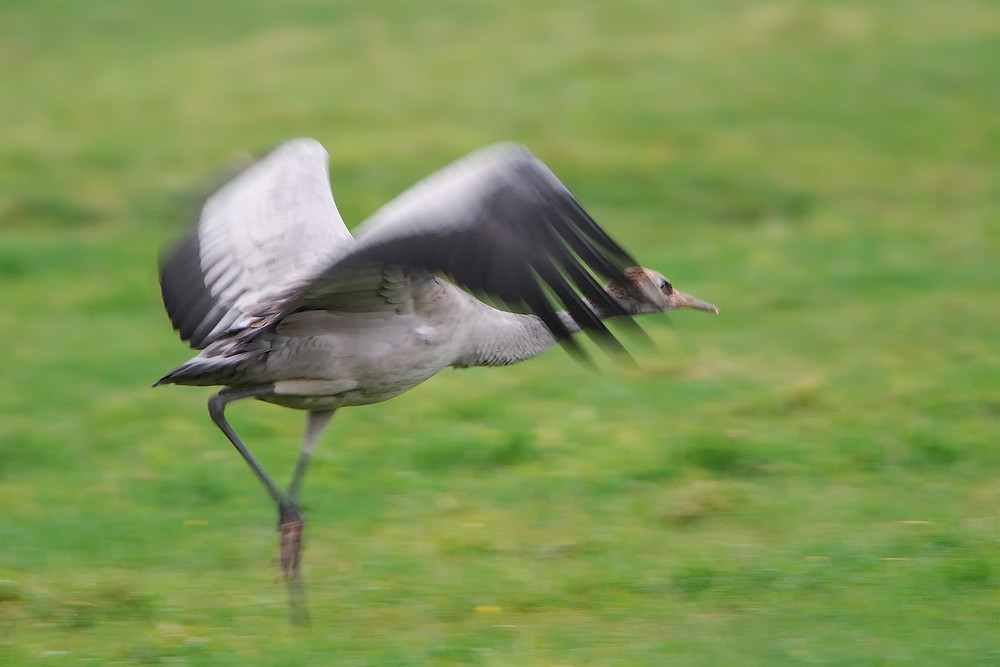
(272, 226)
(497, 222)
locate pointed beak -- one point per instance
(682, 300)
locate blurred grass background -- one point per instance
(811, 477)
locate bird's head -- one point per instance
(644, 291)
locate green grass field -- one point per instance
(812, 477)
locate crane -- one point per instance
(286, 306)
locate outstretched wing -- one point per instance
(497, 222)
(272, 226)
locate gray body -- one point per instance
(326, 359)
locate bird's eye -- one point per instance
(666, 287)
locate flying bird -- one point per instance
(286, 306)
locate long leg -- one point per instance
(315, 423)
(217, 411)
(291, 523)
(290, 520)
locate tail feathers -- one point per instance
(206, 371)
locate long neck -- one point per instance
(500, 338)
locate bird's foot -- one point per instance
(290, 525)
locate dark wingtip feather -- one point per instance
(187, 298)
